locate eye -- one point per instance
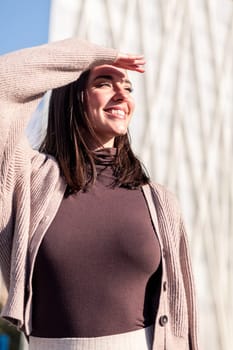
(129, 89)
(103, 84)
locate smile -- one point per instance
(117, 112)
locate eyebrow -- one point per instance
(109, 77)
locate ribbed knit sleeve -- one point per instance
(25, 75)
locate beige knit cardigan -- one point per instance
(31, 190)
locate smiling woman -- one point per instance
(89, 114)
(93, 254)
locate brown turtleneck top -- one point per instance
(98, 269)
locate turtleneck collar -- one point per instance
(105, 156)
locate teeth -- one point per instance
(118, 112)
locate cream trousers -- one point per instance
(135, 340)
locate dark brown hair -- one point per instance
(68, 131)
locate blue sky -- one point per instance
(23, 23)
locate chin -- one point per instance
(122, 132)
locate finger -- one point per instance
(137, 68)
(129, 63)
(125, 58)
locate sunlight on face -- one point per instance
(110, 104)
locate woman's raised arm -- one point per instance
(28, 73)
(25, 76)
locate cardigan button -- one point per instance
(163, 320)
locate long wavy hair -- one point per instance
(68, 132)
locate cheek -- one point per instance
(97, 100)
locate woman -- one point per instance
(93, 255)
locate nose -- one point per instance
(120, 94)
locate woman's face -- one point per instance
(110, 104)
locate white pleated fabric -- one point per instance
(135, 340)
